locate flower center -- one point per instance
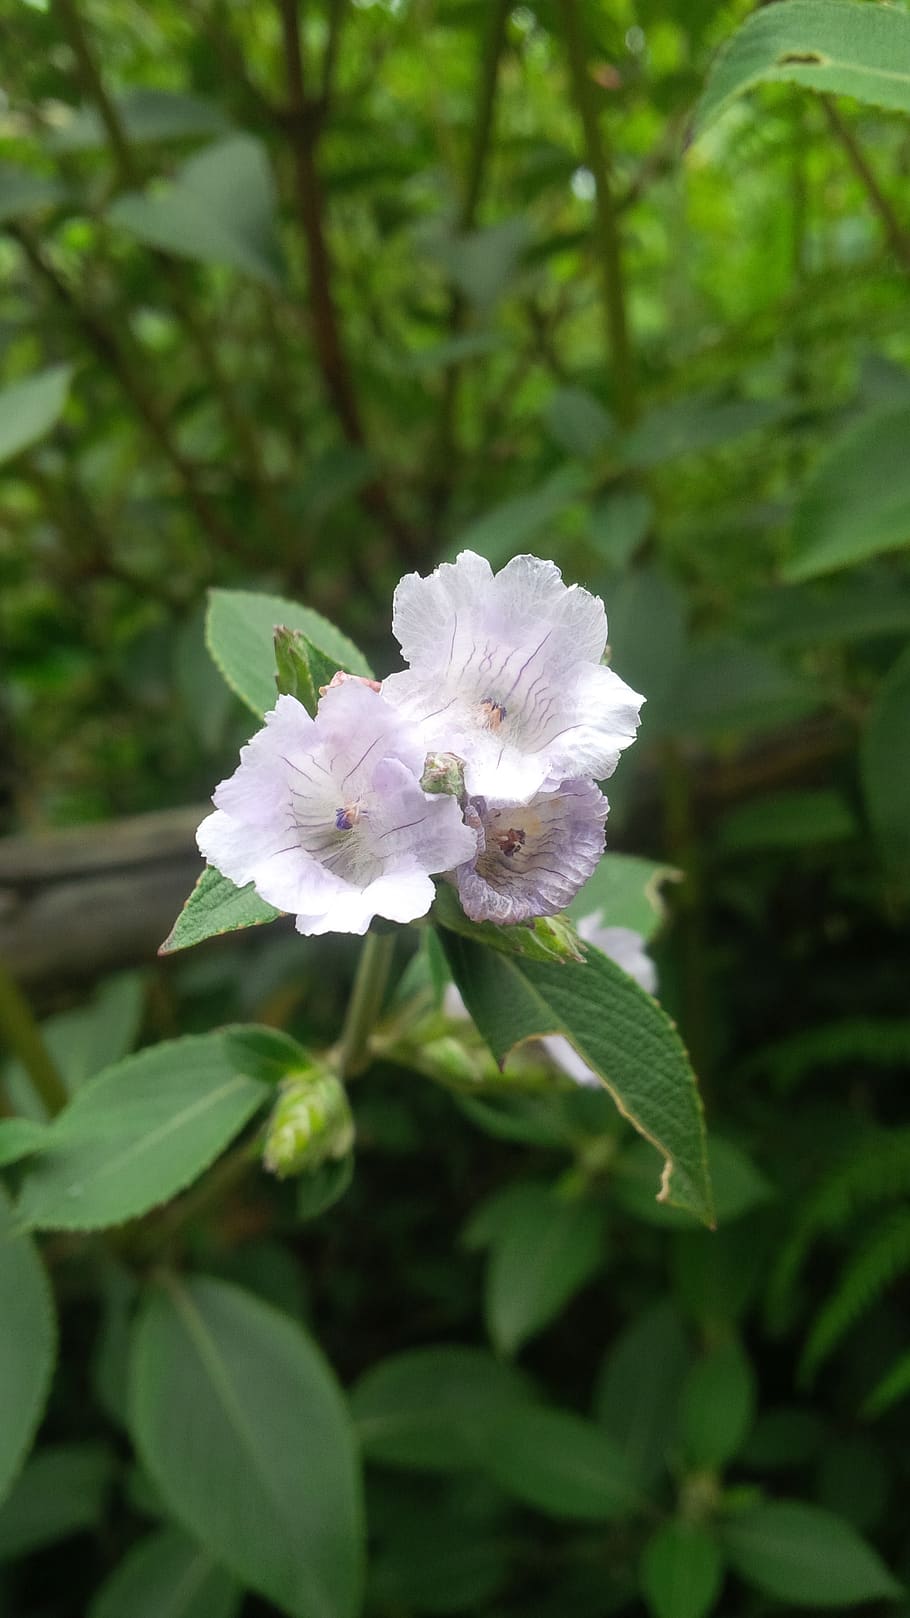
(493, 713)
(510, 841)
(347, 816)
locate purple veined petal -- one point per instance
(327, 817)
(505, 671)
(532, 858)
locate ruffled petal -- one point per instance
(534, 858)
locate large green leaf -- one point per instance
(681, 1571)
(638, 1390)
(718, 1405)
(29, 409)
(857, 501)
(220, 209)
(885, 766)
(216, 906)
(430, 1409)
(146, 115)
(167, 1576)
(147, 1127)
(840, 47)
(544, 1249)
(244, 1430)
(28, 1342)
(240, 634)
(560, 1464)
(61, 1491)
(617, 1029)
(803, 1554)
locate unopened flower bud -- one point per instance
(444, 772)
(311, 1123)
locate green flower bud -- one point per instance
(311, 1124)
(444, 772)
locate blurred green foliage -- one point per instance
(294, 305)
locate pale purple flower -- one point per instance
(505, 670)
(532, 858)
(627, 949)
(327, 818)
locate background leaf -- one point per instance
(243, 1428)
(543, 1251)
(29, 409)
(240, 633)
(28, 1344)
(801, 1554)
(857, 502)
(167, 1576)
(885, 764)
(682, 1571)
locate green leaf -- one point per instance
(28, 1344)
(718, 1405)
(638, 1390)
(738, 1186)
(146, 115)
(560, 1464)
(857, 502)
(544, 1250)
(885, 766)
(835, 46)
(681, 1571)
(147, 1127)
(578, 422)
(726, 688)
(511, 526)
(893, 1386)
(318, 1192)
(167, 1576)
(802, 1554)
(216, 906)
(617, 1029)
(243, 1428)
(22, 191)
(619, 524)
(62, 1491)
(430, 1409)
(220, 209)
(29, 409)
(694, 425)
(788, 820)
(19, 1137)
(436, 1560)
(625, 892)
(240, 634)
(85, 1040)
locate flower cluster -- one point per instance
(337, 819)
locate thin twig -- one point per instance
(898, 237)
(609, 243)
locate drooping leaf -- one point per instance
(219, 209)
(718, 1405)
(29, 409)
(857, 501)
(146, 115)
(800, 1553)
(167, 1576)
(560, 1464)
(244, 1430)
(28, 1344)
(147, 1127)
(885, 767)
(430, 1409)
(215, 906)
(617, 1029)
(681, 1571)
(840, 47)
(737, 1185)
(22, 191)
(543, 1251)
(240, 634)
(638, 1390)
(61, 1491)
(625, 891)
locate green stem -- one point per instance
(365, 1004)
(897, 236)
(609, 242)
(21, 1033)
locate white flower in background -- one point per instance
(627, 949)
(505, 670)
(327, 818)
(532, 859)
